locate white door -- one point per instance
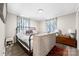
(2, 38)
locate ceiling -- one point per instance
(50, 10)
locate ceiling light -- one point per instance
(40, 10)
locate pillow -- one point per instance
(29, 31)
(34, 31)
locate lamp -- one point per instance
(72, 33)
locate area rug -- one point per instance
(56, 51)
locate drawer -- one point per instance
(67, 41)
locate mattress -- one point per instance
(25, 38)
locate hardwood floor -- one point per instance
(15, 50)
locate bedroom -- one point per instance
(40, 19)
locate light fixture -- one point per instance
(40, 10)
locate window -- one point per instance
(51, 25)
(22, 24)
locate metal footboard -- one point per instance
(30, 42)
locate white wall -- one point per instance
(66, 22)
(42, 26)
(2, 33)
(77, 27)
(11, 25)
(34, 23)
(2, 38)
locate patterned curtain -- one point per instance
(51, 25)
(22, 24)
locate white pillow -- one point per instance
(34, 31)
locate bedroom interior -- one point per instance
(39, 29)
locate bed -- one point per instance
(36, 44)
(25, 40)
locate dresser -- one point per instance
(66, 40)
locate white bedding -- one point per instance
(25, 38)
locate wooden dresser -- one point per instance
(66, 41)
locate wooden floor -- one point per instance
(15, 50)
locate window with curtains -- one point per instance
(22, 24)
(51, 25)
